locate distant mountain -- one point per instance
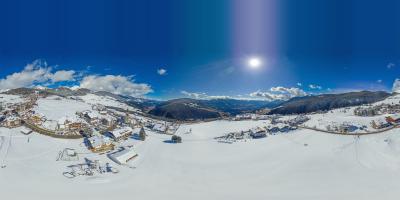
(309, 104)
(21, 91)
(235, 106)
(185, 109)
(194, 109)
(65, 92)
(141, 103)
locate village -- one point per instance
(111, 136)
(102, 130)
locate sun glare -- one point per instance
(254, 62)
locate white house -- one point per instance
(12, 121)
(123, 157)
(26, 131)
(160, 128)
(99, 143)
(120, 133)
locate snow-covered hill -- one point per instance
(277, 167)
(301, 164)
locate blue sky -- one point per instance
(204, 46)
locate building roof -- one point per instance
(159, 127)
(122, 157)
(121, 131)
(380, 121)
(97, 141)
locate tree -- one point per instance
(142, 134)
(176, 139)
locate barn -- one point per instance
(123, 157)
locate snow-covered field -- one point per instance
(7, 98)
(55, 108)
(300, 165)
(106, 101)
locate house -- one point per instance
(75, 126)
(91, 117)
(393, 119)
(380, 123)
(121, 133)
(99, 107)
(99, 143)
(69, 123)
(243, 117)
(37, 119)
(26, 131)
(280, 127)
(298, 120)
(123, 157)
(12, 122)
(162, 128)
(256, 133)
(347, 128)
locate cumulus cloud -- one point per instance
(390, 65)
(279, 93)
(396, 86)
(313, 86)
(124, 85)
(291, 91)
(34, 74)
(63, 75)
(202, 95)
(270, 96)
(299, 84)
(162, 71)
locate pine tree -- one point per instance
(142, 134)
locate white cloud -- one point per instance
(291, 91)
(379, 81)
(33, 74)
(123, 85)
(202, 95)
(390, 65)
(270, 96)
(162, 72)
(279, 93)
(63, 75)
(313, 86)
(299, 84)
(396, 86)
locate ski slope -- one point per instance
(300, 165)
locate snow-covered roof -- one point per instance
(92, 115)
(97, 141)
(12, 118)
(122, 157)
(121, 131)
(25, 130)
(380, 121)
(159, 127)
(395, 116)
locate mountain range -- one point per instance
(200, 109)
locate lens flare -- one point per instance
(254, 62)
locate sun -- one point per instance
(254, 62)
